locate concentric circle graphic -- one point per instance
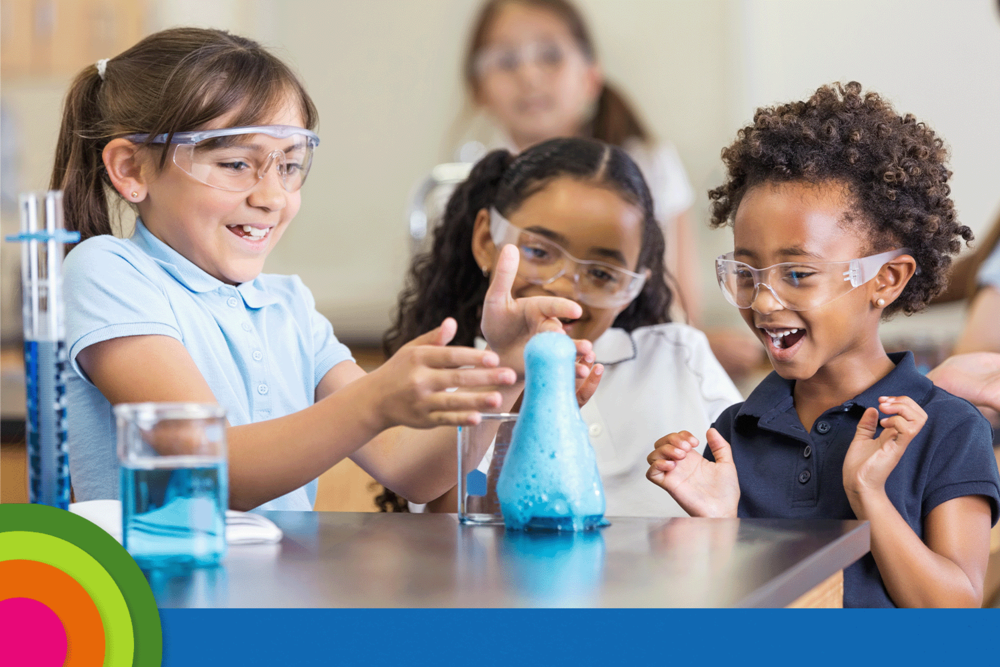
(73, 591)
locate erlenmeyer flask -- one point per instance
(550, 479)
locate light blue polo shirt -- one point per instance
(261, 346)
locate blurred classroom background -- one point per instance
(386, 77)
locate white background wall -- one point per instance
(385, 75)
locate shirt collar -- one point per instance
(774, 393)
(614, 346)
(190, 275)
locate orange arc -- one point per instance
(67, 598)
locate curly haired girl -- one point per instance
(841, 217)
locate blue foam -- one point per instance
(550, 479)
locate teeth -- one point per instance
(253, 231)
(781, 334)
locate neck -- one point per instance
(840, 380)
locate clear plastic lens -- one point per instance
(797, 285)
(543, 261)
(546, 54)
(238, 162)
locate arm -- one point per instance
(974, 376)
(981, 333)
(410, 390)
(947, 568)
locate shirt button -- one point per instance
(262, 389)
(807, 452)
(246, 326)
(232, 301)
(257, 355)
(595, 430)
(804, 476)
(823, 427)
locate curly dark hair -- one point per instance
(893, 166)
(447, 281)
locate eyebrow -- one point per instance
(607, 253)
(789, 251)
(234, 140)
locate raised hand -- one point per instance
(974, 376)
(411, 388)
(508, 323)
(701, 487)
(869, 459)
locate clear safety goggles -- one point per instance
(543, 261)
(798, 285)
(237, 158)
(547, 55)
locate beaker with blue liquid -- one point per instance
(174, 483)
(42, 239)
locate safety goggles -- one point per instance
(547, 55)
(236, 158)
(798, 285)
(542, 262)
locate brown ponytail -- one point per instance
(172, 81)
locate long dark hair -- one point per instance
(614, 121)
(447, 281)
(172, 81)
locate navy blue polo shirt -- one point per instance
(787, 473)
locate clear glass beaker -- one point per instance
(174, 483)
(481, 453)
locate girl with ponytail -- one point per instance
(209, 138)
(581, 216)
(532, 66)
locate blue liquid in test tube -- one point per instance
(45, 362)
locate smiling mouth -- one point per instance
(250, 232)
(783, 342)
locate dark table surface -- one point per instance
(344, 559)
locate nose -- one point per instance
(765, 300)
(270, 193)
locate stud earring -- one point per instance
(880, 302)
(486, 272)
(135, 195)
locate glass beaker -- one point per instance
(174, 483)
(481, 453)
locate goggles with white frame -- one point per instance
(798, 285)
(237, 158)
(543, 261)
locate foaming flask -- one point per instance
(549, 479)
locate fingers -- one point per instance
(906, 421)
(498, 292)
(589, 385)
(721, 450)
(867, 425)
(440, 380)
(539, 309)
(440, 336)
(464, 401)
(670, 448)
(455, 418)
(549, 324)
(585, 350)
(455, 356)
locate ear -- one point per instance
(891, 279)
(127, 169)
(483, 248)
(595, 80)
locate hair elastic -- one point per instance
(102, 67)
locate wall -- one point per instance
(385, 76)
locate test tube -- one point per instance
(45, 361)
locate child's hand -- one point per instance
(869, 460)
(699, 486)
(411, 387)
(585, 387)
(508, 323)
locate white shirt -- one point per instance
(657, 380)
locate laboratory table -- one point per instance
(346, 559)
